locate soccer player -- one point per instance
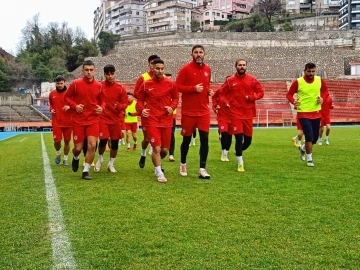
(86, 98)
(157, 100)
(193, 81)
(131, 121)
(239, 92)
(110, 119)
(224, 124)
(311, 90)
(144, 77)
(326, 106)
(61, 120)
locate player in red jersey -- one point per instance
(86, 99)
(193, 82)
(157, 100)
(240, 91)
(142, 78)
(61, 120)
(110, 119)
(326, 106)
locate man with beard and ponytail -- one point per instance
(239, 93)
(110, 119)
(193, 82)
(61, 120)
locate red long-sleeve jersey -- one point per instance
(61, 118)
(154, 95)
(223, 113)
(326, 106)
(89, 94)
(234, 92)
(116, 102)
(194, 103)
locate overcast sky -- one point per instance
(15, 13)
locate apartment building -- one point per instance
(167, 15)
(235, 7)
(123, 17)
(207, 15)
(349, 17)
(320, 7)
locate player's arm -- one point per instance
(324, 92)
(68, 97)
(123, 100)
(181, 82)
(140, 104)
(292, 91)
(174, 96)
(138, 84)
(258, 91)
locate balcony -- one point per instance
(158, 24)
(158, 16)
(355, 19)
(355, 10)
(169, 4)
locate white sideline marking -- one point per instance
(61, 246)
(23, 140)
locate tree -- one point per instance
(269, 8)
(235, 26)
(195, 26)
(286, 26)
(107, 42)
(252, 21)
(5, 85)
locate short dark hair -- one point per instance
(237, 61)
(197, 46)
(109, 68)
(152, 57)
(60, 78)
(130, 94)
(88, 63)
(157, 61)
(309, 66)
(168, 74)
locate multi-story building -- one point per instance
(235, 7)
(123, 17)
(349, 17)
(207, 15)
(166, 15)
(319, 7)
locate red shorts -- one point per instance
(145, 132)
(298, 125)
(223, 126)
(109, 131)
(131, 126)
(59, 132)
(82, 132)
(159, 136)
(189, 123)
(325, 120)
(244, 126)
(122, 126)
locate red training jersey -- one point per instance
(234, 92)
(194, 103)
(154, 95)
(89, 94)
(61, 118)
(116, 102)
(223, 113)
(326, 106)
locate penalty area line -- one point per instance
(60, 243)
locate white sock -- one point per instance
(239, 160)
(226, 152)
(58, 153)
(76, 158)
(158, 170)
(143, 152)
(101, 158)
(87, 167)
(135, 142)
(128, 145)
(111, 162)
(65, 157)
(309, 157)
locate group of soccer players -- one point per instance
(95, 110)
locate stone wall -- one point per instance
(274, 55)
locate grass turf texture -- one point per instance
(279, 214)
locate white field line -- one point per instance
(61, 246)
(23, 140)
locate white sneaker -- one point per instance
(161, 178)
(171, 158)
(183, 170)
(97, 166)
(223, 157)
(310, 163)
(327, 142)
(320, 142)
(111, 169)
(226, 158)
(203, 174)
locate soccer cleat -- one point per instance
(310, 163)
(320, 142)
(134, 147)
(171, 158)
(86, 176)
(240, 168)
(183, 170)
(295, 141)
(58, 159)
(65, 163)
(327, 142)
(223, 157)
(97, 166)
(92, 164)
(75, 165)
(161, 178)
(142, 161)
(111, 169)
(203, 174)
(128, 149)
(302, 154)
(226, 158)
